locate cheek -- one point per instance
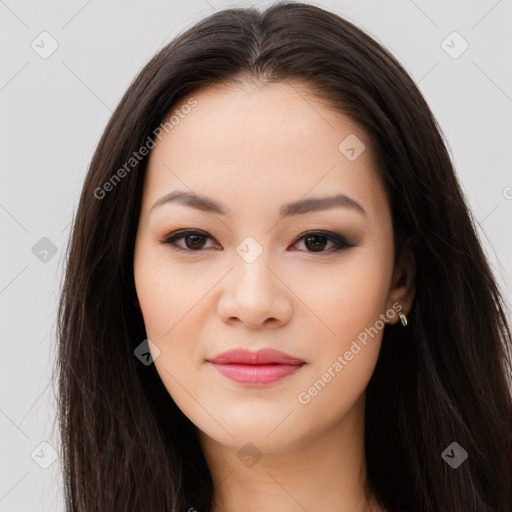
(349, 299)
(170, 303)
(163, 291)
(349, 333)
(166, 302)
(155, 301)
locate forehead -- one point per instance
(257, 144)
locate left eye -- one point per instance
(317, 240)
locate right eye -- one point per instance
(194, 240)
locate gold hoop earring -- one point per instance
(403, 318)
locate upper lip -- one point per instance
(263, 356)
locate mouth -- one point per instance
(257, 374)
(256, 368)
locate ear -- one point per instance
(403, 281)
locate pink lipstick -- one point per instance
(256, 368)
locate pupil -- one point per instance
(316, 245)
(196, 240)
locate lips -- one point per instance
(256, 368)
(264, 356)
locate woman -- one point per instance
(275, 296)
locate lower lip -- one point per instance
(256, 375)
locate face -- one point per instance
(314, 281)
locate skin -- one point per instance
(253, 148)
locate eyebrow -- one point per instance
(206, 204)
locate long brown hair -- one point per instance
(125, 443)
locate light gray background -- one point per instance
(53, 111)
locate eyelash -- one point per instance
(341, 242)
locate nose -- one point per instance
(255, 295)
